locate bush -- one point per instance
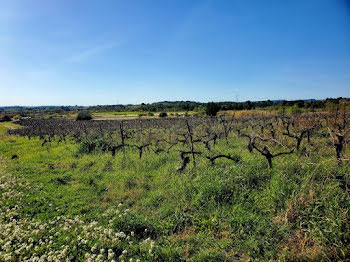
(150, 114)
(212, 109)
(5, 118)
(163, 114)
(84, 115)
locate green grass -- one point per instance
(5, 126)
(295, 211)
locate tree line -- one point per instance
(174, 106)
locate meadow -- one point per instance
(228, 188)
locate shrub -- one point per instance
(5, 118)
(163, 114)
(212, 109)
(150, 114)
(296, 109)
(84, 115)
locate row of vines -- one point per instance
(197, 137)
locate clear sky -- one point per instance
(88, 52)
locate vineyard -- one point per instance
(194, 137)
(194, 188)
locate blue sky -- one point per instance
(64, 52)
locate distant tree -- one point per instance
(84, 115)
(212, 109)
(300, 103)
(248, 105)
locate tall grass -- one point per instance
(297, 211)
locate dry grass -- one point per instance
(302, 247)
(247, 113)
(295, 206)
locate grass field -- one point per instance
(59, 203)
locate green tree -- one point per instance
(84, 115)
(212, 109)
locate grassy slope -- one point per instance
(231, 211)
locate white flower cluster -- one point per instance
(62, 238)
